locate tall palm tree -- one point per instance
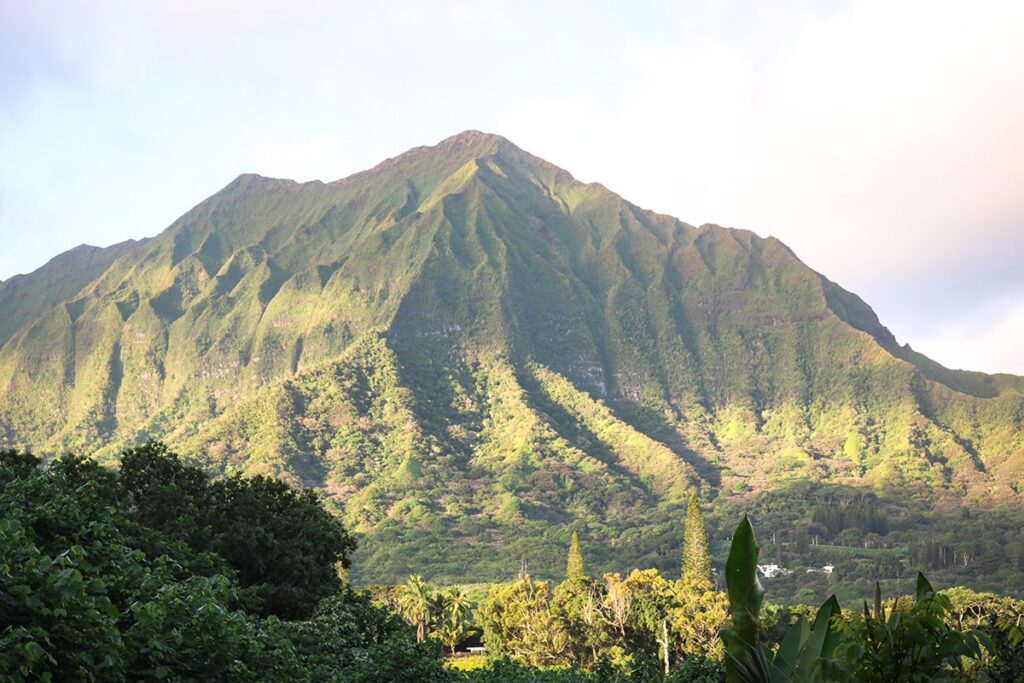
(458, 603)
(438, 608)
(414, 602)
(454, 615)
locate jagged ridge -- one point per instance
(470, 319)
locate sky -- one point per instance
(883, 141)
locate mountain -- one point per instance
(473, 353)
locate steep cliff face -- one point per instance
(467, 342)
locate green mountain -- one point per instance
(473, 354)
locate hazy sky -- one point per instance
(883, 141)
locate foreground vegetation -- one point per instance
(155, 572)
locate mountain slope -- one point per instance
(466, 347)
(23, 298)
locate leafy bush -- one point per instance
(909, 643)
(100, 583)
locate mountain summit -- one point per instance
(465, 347)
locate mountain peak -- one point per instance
(473, 139)
(466, 146)
(454, 150)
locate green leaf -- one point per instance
(789, 649)
(924, 589)
(745, 596)
(821, 644)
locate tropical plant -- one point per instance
(416, 603)
(898, 643)
(804, 649)
(452, 617)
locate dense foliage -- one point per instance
(116, 575)
(648, 628)
(283, 545)
(918, 640)
(112, 576)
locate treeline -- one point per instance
(683, 629)
(862, 514)
(642, 619)
(156, 572)
(873, 538)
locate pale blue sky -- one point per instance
(880, 140)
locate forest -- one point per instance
(154, 571)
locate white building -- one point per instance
(770, 571)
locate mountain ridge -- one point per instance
(469, 313)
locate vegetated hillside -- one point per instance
(474, 353)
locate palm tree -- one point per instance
(454, 615)
(414, 603)
(438, 609)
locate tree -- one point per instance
(414, 601)
(618, 600)
(284, 545)
(81, 600)
(519, 623)
(574, 564)
(20, 465)
(696, 557)
(697, 618)
(87, 592)
(647, 626)
(166, 494)
(282, 541)
(453, 616)
(579, 604)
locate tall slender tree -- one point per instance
(696, 557)
(416, 604)
(574, 564)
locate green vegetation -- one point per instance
(471, 355)
(696, 557)
(126, 575)
(110, 576)
(909, 641)
(414, 602)
(574, 564)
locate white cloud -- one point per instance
(882, 141)
(992, 345)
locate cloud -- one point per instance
(880, 142)
(993, 344)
